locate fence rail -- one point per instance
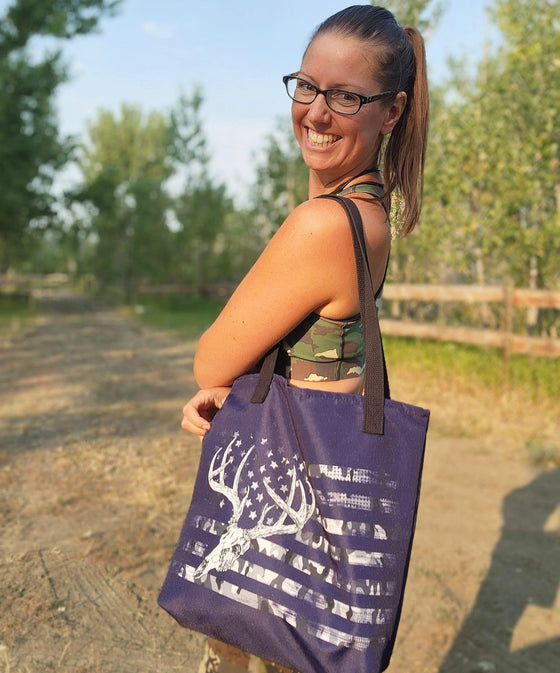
(503, 338)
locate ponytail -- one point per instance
(405, 152)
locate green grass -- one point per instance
(15, 311)
(477, 365)
(185, 315)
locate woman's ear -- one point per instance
(394, 112)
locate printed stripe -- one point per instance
(356, 501)
(250, 599)
(355, 528)
(355, 475)
(356, 557)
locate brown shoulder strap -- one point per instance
(376, 386)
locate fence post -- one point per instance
(507, 329)
(532, 311)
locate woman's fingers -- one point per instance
(201, 409)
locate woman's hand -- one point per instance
(199, 411)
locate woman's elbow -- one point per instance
(208, 373)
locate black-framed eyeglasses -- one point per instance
(339, 100)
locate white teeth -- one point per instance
(320, 139)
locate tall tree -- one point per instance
(523, 89)
(139, 226)
(492, 207)
(30, 148)
(201, 206)
(125, 164)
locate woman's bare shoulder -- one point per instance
(327, 219)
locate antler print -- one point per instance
(235, 540)
(231, 493)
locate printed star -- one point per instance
(253, 515)
(249, 503)
(263, 469)
(254, 486)
(250, 474)
(260, 497)
(238, 442)
(273, 464)
(264, 440)
(270, 454)
(284, 488)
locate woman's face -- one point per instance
(334, 145)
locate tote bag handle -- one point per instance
(376, 385)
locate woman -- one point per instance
(362, 79)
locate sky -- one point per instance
(152, 50)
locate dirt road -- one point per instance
(95, 477)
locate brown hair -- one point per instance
(401, 66)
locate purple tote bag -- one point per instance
(297, 542)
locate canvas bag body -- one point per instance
(297, 541)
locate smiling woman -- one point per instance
(360, 116)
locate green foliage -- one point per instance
(30, 148)
(186, 135)
(201, 211)
(417, 13)
(281, 180)
(542, 454)
(57, 18)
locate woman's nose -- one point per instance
(318, 109)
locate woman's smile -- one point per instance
(321, 140)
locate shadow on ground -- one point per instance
(517, 580)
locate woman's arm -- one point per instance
(307, 266)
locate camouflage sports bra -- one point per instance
(321, 349)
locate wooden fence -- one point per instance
(504, 338)
(510, 298)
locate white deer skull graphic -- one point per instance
(235, 540)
